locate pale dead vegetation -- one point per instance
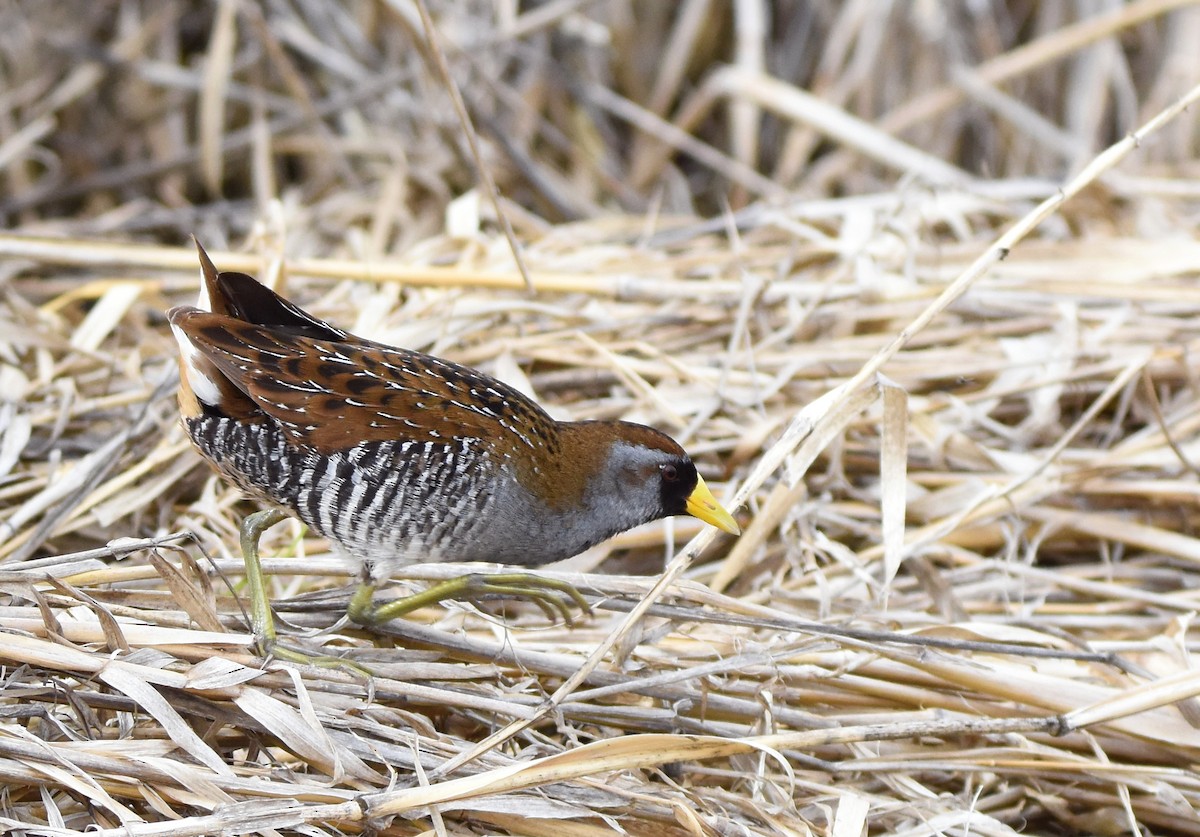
(804, 238)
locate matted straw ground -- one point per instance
(965, 460)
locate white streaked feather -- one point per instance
(203, 302)
(204, 387)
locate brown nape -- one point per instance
(640, 434)
(561, 478)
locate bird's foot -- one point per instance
(553, 596)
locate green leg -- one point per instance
(552, 596)
(261, 621)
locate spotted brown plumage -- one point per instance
(398, 456)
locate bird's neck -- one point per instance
(559, 472)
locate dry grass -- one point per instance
(963, 600)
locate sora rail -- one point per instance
(400, 457)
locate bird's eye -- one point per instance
(670, 473)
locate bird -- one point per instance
(397, 457)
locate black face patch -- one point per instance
(677, 480)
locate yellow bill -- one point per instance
(701, 504)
